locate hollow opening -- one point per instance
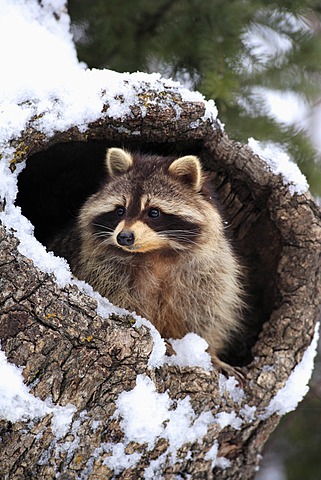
(57, 181)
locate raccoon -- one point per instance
(152, 240)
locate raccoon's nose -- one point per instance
(126, 238)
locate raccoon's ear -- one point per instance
(118, 161)
(188, 170)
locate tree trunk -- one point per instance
(74, 355)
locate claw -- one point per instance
(169, 348)
(229, 371)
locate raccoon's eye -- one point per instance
(153, 212)
(120, 211)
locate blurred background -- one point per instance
(261, 63)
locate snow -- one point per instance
(224, 419)
(217, 461)
(18, 404)
(287, 108)
(144, 413)
(29, 246)
(51, 84)
(190, 351)
(119, 459)
(279, 162)
(285, 400)
(62, 418)
(248, 413)
(296, 387)
(230, 385)
(157, 356)
(147, 416)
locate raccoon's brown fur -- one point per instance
(152, 240)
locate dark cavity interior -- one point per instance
(57, 181)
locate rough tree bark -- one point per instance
(73, 355)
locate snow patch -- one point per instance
(190, 351)
(147, 416)
(62, 419)
(279, 162)
(296, 387)
(119, 459)
(18, 404)
(56, 89)
(228, 418)
(217, 461)
(157, 356)
(248, 413)
(231, 386)
(210, 111)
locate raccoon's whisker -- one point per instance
(102, 227)
(186, 232)
(104, 232)
(183, 241)
(193, 232)
(180, 235)
(181, 232)
(102, 235)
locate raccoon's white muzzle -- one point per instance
(138, 237)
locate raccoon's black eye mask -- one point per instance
(152, 212)
(107, 221)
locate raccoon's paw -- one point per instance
(229, 371)
(169, 349)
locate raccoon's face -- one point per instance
(149, 204)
